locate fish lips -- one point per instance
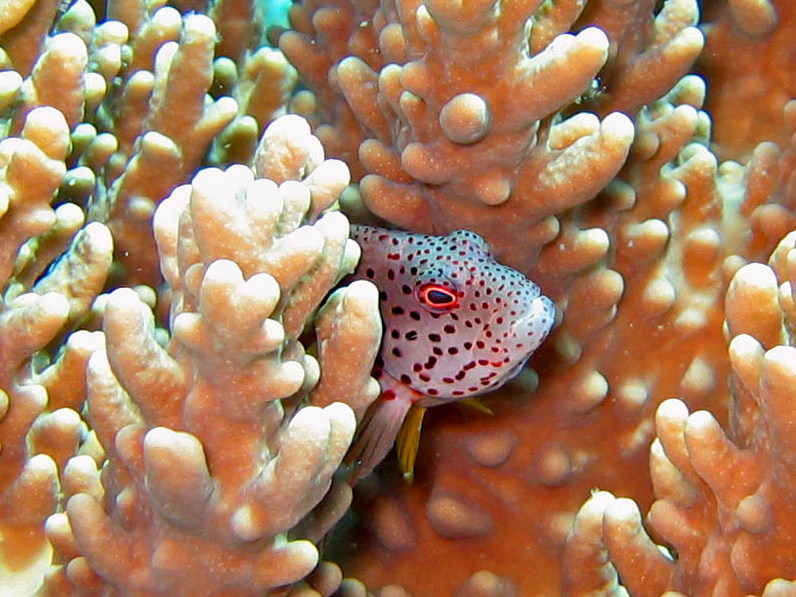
(533, 327)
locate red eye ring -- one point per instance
(436, 296)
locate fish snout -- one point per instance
(535, 325)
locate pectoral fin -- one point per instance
(375, 435)
(408, 440)
(476, 404)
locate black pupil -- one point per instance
(438, 297)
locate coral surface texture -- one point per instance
(185, 360)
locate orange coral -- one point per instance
(136, 92)
(38, 429)
(453, 137)
(565, 132)
(214, 450)
(748, 60)
(642, 266)
(723, 500)
(654, 285)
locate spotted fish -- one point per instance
(456, 324)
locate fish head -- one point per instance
(457, 323)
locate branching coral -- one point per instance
(749, 46)
(197, 452)
(453, 137)
(136, 94)
(642, 264)
(93, 113)
(38, 429)
(723, 499)
(216, 447)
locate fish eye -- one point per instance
(437, 297)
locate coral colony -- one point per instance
(184, 364)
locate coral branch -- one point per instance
(213, 454)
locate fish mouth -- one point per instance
(536, 324)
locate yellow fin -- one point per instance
(408, 441)
(476, 404)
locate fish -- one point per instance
(457, 324)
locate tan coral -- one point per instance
(22, 42)
(615, 264)
(39, 429)
(649, 53)
(52, 268)
(453, 137)
(768, 188)
(721, 496)
(12, 13)
(61, 83)
(746, 46)
(176, 130)
(33, 167)
(135, 94)
(226, 403)
(59, 79)
(642, 265)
